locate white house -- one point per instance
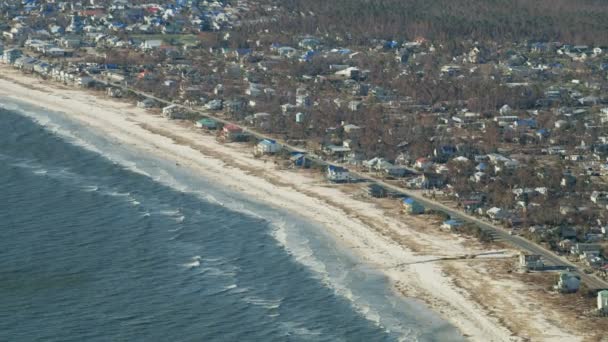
(495, 213)
(151, 44)
(351, 72)
(599, 197)
(530, 261)
(266, 146)
(146, 103)
(173, 112)
(602, 301)
(337, 174)
(84, 81)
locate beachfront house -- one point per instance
(451, 225)
(376, 191)
(207, 123)
(530, 261)
(299, 159)
(146, 103)
(412, 206)
(10, 56)
(266, 146)
(568, 282)
(337, 174)
(173, 111)
(602, 301)
(114, 92)
(84, 81)
(232, 133)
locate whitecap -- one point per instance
(269, 304)
(194, 262)
(173, 212)
(118, 194)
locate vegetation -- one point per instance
(444, 20)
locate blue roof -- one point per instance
(448, 149)
(409, 201)
(543, 131)
(391, 44)
(269, 141)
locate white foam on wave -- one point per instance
(126, 164)
(172, 212)
(210, 198)
(194, 262)
(213, 271)
(166, 178)
(175, 214)
(90, 188)
(301, 251)
(298, 329)
(269, 304)
(118, 194)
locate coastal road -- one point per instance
(550, 258)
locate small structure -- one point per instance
(300, 160)
(376, 191)
(10, 56)
(232, 132)
(114, 92)
(146, 103)
(531, 261)
(496, 214)
(412, 206)
(602, 301)
(266, 146)
(173, 112)
(337, 174)
(568, 282)
(336, 151)
(451, 224)
(84, 81)
(151, 44)
(589, 248)
(206, 123)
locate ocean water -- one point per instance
(102, 243)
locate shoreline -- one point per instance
(389, 244)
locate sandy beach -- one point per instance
(468, 293)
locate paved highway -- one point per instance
(550, 258)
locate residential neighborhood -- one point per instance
(512, 134)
